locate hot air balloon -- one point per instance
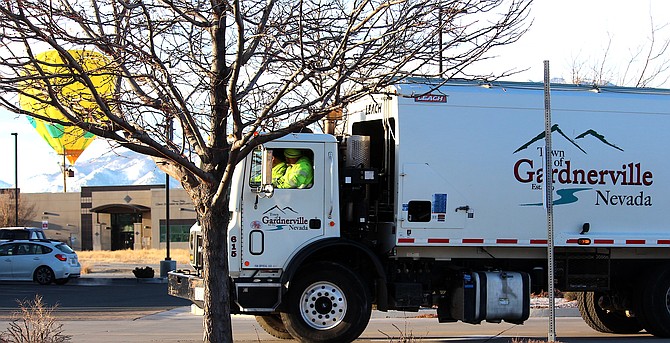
(69, 141)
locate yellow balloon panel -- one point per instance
(74, 95)
(68, 140)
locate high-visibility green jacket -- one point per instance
(278, 171)
(297, 175)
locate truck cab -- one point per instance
(276, 223)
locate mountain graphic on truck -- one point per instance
(567, 195)
(556, 128)
(282, 210)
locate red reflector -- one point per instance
(584, 241)
(61, 257)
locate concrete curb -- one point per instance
(560, 312)
(90, 281)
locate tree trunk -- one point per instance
(216, 321)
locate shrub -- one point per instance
(570, 296)
(142, 273)
(34, 323)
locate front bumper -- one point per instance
(246, 296)
(185, 285)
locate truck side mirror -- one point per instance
(266, 168)
(266, 187)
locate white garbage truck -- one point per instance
(432, 196)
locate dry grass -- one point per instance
(143, 256)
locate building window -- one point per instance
(179, 230)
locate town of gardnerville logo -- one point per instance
(565, 172)
(285, 217)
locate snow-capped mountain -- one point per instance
(100, 167)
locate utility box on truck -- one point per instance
(431, 194)
(492, 296)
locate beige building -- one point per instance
(114, 217)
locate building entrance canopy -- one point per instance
(120, 208)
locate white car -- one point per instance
(40, 260)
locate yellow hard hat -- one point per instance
(292, 153)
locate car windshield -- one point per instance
(64, 248)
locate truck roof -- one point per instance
(412, 87)
(307, 138)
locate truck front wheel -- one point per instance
(327, 303)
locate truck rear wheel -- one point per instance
(654, 303)
(327, 303)
(603, 320)
(273, 325)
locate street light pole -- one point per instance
(168, 264)
(64, 172)
(168, 127)
(16, 178)
(167, 217)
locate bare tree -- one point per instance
(647, 65)
(225, 70)
(8, 211)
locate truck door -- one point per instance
(429, 201)
(272, 228)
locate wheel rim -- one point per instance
(667, 300)
(323, 305)
(43, 275)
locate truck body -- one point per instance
(433, 196)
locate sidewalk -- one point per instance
(108, 273)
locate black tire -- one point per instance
(327, 303)
(61, 281)
(603, 320)
(653, 303)
(273, 325)
(44, 275)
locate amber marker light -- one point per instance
(584, 241)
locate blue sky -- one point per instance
(563, 31)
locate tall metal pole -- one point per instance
(549, 201)
(168, 127)
(16, 178)
(439, 26)
(167, 217)
(168, 264)
(64, 172)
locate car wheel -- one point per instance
(273, 325)
(61, 281)
(327, 303)
(44, 275)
